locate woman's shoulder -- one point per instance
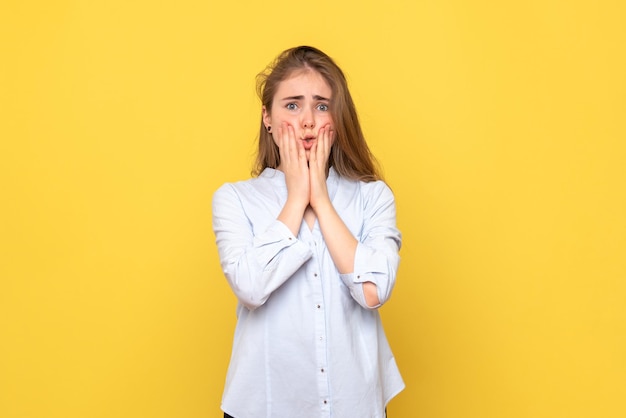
(374, 187)
(376, 193)
(370, 193)
(268, 180)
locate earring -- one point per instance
(268, 128)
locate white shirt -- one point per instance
(306, 343)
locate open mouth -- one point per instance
(308, 141)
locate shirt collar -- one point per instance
(277, 178)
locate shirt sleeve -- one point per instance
(254, 265)
(377, 253)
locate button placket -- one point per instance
(319, 316)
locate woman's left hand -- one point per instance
(318, 165)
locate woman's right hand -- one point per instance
(294, 165)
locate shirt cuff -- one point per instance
(276, 238)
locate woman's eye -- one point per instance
(292, 106)
(322, 107)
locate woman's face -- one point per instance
(301, 101)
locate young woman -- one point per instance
(310, 248)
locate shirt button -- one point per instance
(319, 306)
(314, 274)
(325, 401)
(322, 370)
(289, 238)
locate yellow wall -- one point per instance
(501, 128)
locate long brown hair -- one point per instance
(350, 155)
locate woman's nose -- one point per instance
(307, 120)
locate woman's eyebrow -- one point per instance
(301, 97)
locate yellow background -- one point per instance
(501, 129)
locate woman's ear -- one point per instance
(267, 120)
